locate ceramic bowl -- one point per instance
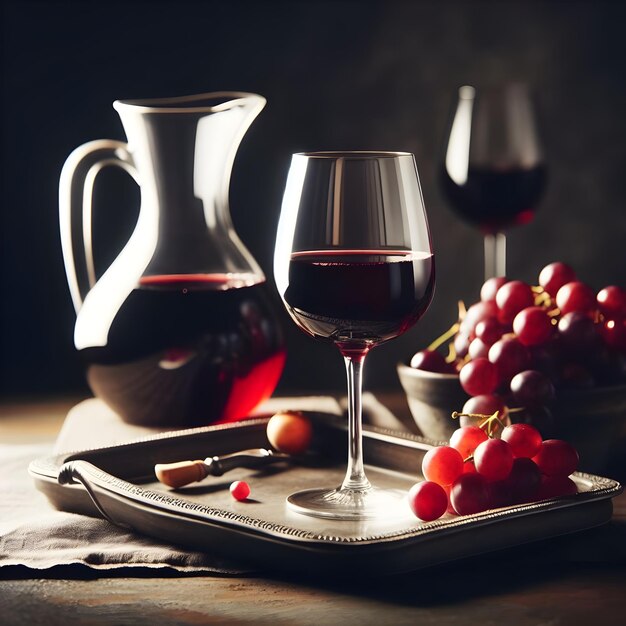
(593, 420)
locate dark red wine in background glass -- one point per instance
(494, 200)
(364, 296)
(192, 342)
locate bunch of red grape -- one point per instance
(519, 344)
(478, 472)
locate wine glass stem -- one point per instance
(495, 255)
(355, 476)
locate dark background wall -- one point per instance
(337, 75)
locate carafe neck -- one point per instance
(184, 150)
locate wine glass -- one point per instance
(354, 266)
(493, 172)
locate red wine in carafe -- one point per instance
(188, 350)
(359, 296)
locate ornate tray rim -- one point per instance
(46, 470)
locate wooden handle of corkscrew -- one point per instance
(182, 473)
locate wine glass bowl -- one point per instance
(354, 266)
(493, 172)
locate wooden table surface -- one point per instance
(578, 579)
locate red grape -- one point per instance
(466, 438)
(575, 296)
(556, 458)
(533, 326)
(479, 377)
(484, 404)
(442, 465)
(478, 349)
(461, 344)
(540, 417)
(510, 357)
(612, 301)
(555, 486)
(430, 361)
(493, 459)
(521, 485)
(614, 333)
(476, 313)
(428, 500)
(552, 277)
(524, 439)
(490, 287)
(531, 388)
(489, 330)
(511, 298)
(577, 332)
(469, 494)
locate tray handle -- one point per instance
(84, 473)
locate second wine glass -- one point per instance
(493, 171)
(354, 266)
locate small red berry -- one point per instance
(240, 490)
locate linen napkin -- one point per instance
(35, 535)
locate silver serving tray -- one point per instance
(118, 483)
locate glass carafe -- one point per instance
(178, 331)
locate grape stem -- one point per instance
(492, 422)
(449, 335)
(445, 337)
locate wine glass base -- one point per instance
(349, 504)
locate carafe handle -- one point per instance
(75, 207)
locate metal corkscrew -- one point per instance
(185, 472)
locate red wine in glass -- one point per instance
(496, 199)
(493, 172)
(353, 264)
(359, 296)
